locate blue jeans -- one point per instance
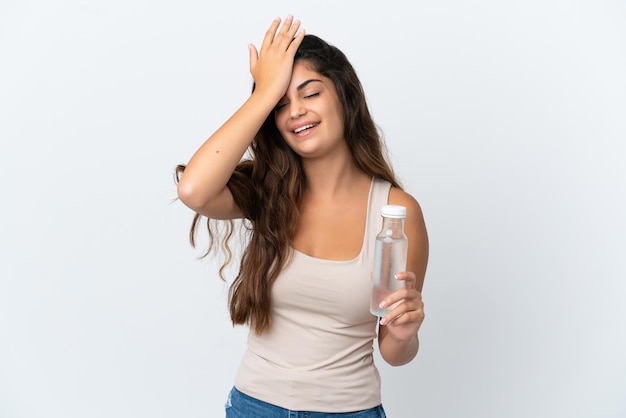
(240, 405)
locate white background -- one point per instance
(505, 119)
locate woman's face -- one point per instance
(309, 116)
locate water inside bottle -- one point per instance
(390, 258)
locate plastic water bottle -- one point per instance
(389, 257)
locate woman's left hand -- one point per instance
(405, 319)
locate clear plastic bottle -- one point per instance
(389, 257)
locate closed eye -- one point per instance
(280, 106)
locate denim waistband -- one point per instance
(240, 405)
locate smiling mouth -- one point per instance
(304, 128)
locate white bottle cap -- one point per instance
(394, 211)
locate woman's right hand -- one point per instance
(271, 67)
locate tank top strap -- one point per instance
(379, 196)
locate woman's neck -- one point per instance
(330, 179)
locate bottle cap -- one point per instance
(394, 211)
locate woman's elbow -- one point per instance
(188, 195)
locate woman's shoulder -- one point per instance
(414, 226)
(400, 197)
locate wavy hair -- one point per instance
(269, 183)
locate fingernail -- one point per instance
(383, 321)
(382, 304)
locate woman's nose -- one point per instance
(296, 109)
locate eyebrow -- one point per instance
(306, 83)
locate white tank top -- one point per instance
(318, 353)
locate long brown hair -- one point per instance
(269, 184)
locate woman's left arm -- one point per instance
(397, 333)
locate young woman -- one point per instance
(302, 162)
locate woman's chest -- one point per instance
(331, 234)
(315, 288)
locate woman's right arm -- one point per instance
(202, 185)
